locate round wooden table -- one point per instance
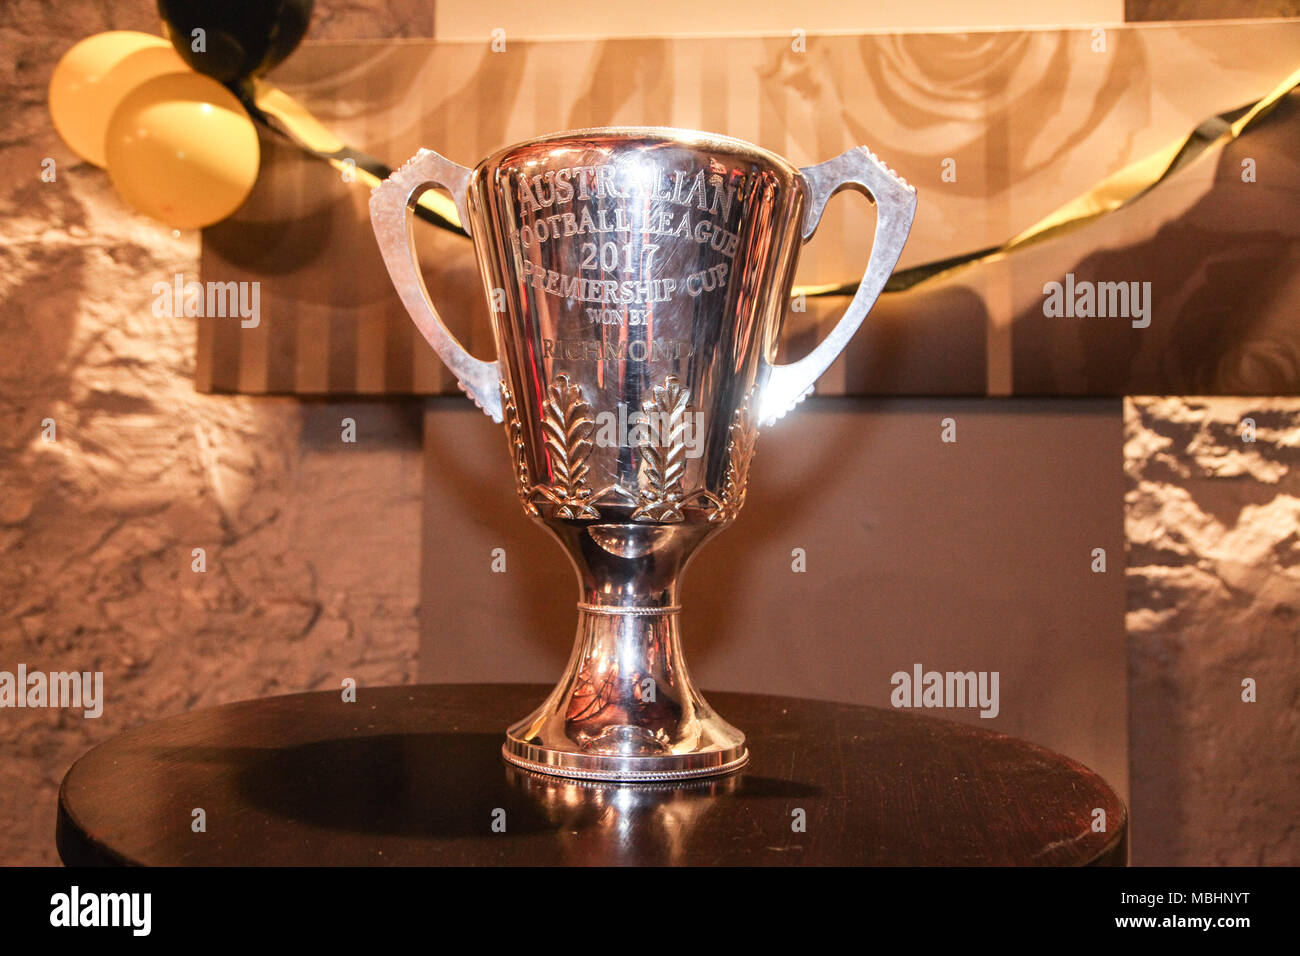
(414, 775)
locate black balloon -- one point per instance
(240, 38)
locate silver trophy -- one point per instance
(638, 279)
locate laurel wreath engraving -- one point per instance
(515, 432)
(740, 451)
(663, 462)
(568, 430)
(567, 425)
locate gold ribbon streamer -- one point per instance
(281, 113)
(289, 118)
(1114, 192)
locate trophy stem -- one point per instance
(626, 708)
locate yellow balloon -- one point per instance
(182, 149)
(95, 75)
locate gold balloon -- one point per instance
(182, 149)
(93, 78)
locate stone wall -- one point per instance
(311, 544)
(1213, 523)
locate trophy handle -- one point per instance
(391, 203)
(895, 202)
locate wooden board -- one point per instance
(410, 776)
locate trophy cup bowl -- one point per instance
(637, 280)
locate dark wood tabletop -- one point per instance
(414, 775)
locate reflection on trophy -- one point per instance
(637, 279)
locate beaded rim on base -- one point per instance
(626, 776)
(629, 610)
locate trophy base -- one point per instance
(584, 766)
(626, 709)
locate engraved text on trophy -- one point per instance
(620, 273)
